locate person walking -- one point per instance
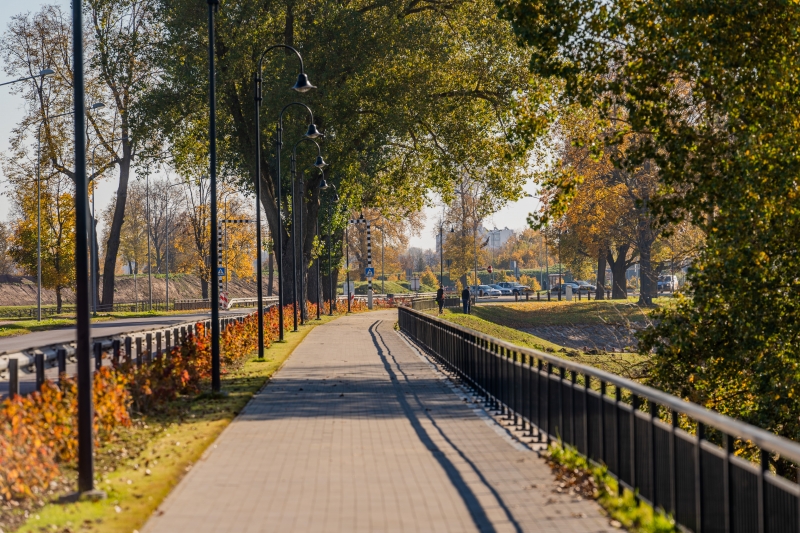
(440, 298)
(465, 299)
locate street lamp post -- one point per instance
(332, 199)
(347, 264)
(312, 133)
(213, 7)
(83, 321)
(297, 201)
(302, 86)
(42, 74)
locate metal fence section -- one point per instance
(424, 304)
(633, 429)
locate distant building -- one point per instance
(497, 237)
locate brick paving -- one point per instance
(357, 432)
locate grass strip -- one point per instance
(577, 476)
(140, 470)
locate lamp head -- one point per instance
(46, 72)
(323, 184)
(303, 85)
(313, 132)
(320, 162)
(336, 197)
(97, 105)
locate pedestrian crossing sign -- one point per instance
(220, 272)
(369, 272)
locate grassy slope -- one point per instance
(167, 446)
(532, 313)
(11, 327)
(627, 365)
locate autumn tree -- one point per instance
(726, 146)
(7, 265)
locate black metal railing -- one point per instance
(674, 454)
(423, 304)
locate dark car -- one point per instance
(563, 286)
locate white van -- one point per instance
(667, 283)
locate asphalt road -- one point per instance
(103, 329)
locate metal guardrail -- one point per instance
(37, 360)
(424, 304)
(705, 487)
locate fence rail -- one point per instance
(703, 485)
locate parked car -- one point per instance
(586, 286)
(504, 291)
(667, 283)
(563, 286)
(516, 288)
(483, 290)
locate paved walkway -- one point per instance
(357, 432)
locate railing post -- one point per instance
(167, 340)
(587, 386)
(128, 350)
(762, 492)
(149, 351)
(158, 344)
(698, 482)
(547, 426)
(618, 447)
(61, 356)
(572, 381)
(726, 480)
(673, 468)
(115, 346)
(139, 359)
(602, 436)
(38, 361)
(13, 377)
(634, 407)
(561, 401)
(98, 355)
(653, 415)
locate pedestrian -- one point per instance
(440, 298)
(465, 299)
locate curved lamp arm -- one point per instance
(302, 84)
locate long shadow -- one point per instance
(473, 505)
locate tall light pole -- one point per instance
(42, 74)
(383, 243)
(312, 133)
(83, 322)
(301, 86)
(297, 201)
(216, 385)
(334, 198)
(149, 261)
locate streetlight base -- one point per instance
(93, 495)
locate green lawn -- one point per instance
(391, 287)
(142, 468)
(629, 365)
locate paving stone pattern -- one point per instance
(357, 432)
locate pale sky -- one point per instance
(11, 109)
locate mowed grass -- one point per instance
(11, 326)
(532, 313)
(139, 471)
(629, 365)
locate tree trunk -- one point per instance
(204, 288)
(648, 286)
(112, 246)
(602, 257)
(619, 265)
(59, 299)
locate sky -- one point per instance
(11, 109)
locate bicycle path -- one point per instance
(359, 432)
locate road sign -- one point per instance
(223, 300)
(489, 269)
(369, 272)
(220, 272)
